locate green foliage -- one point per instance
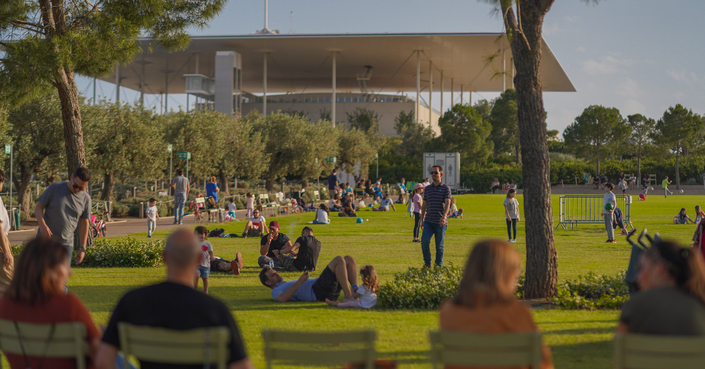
(243, 152)
(355, 147)
(597, 133)
(481, 179)
(593, 291)
(464, 130)
(420, 288)
(201, 133)
(394, 165)
(505, 124)
(363, 119)
(124, 253)
(414, 136)
(677, 130)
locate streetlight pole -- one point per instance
(377, 157)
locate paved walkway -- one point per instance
(121, 227)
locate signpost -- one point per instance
(331, 159)
(377, 157)
(184, 155)
(171, 162)
(8, 150)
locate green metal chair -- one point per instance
(318, 348)
(159, 345)
(471, 349)
(59, 340)
(646, 351)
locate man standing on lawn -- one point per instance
(665, 184)
(332, 183)
(63, 207)
(181, 187)
(434, 212)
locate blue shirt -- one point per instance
(211, 192)
(331, 181)
(304, 293)
(435, 197)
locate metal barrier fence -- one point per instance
(587, 209)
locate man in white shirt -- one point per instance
(8, 262)
(256, 225)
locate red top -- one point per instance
(59, 309)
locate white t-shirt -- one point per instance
(258, 223)
(4, 218)
(205, 247)
(368, 299)
(322, 215)
(453, 208)
(331, 203)
(512, 207)
(231, 207)
(609, 197)
(152, 212)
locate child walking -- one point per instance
(366, 294)
(152, 217)
(204, 269)
(231, 209)
(250, 204)
(511, 214)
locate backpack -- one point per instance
(216, 232)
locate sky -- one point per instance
(640, 56)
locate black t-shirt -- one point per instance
(277, 244)
(307, 257)
(173, 306)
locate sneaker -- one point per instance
(175, 222)
(244, 235)
(509, 240)
(611, 241)
(514, 240)
(236, 264)
(149, 236)
(427, 266)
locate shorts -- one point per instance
(287, 263)
(327, 286)
(254, 232)
(203, 272)
(264, 260)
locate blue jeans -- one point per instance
(179, 201)
(151, 225)
(431, 229)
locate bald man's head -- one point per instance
(181, 250)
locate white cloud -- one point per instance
(605, 65)
(682, 76)
(581, 49)
(551, 29)
(630, 89)
(632, 106)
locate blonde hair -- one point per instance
(489, 271)
(369, 278)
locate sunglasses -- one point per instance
(434, 172)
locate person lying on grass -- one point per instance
(385, 204)
(335, 278)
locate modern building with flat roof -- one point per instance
(332, 74)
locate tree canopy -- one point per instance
(463, 130)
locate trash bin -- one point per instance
(17, 219)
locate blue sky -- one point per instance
(640, 56)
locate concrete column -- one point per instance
(461, 94)
(166, 89)
(94, 82)
(418, 85)
(333, 97)
(443, 91)
(511, 61)
(224, 80)
(264, 85)
(187, 102)
(504, 72)
(470, 97)
(142, 81)
(430, 91)
(452, 90)
(117, 83)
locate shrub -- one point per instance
(420, 288)
(593, 291)
(119, 210)
(125, 253)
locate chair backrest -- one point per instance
(642, 351)
(317, 348)
(280, 197)
(652, 179)
(264, 197)
(471, 349)
(160, 345)
(67, 341)
(316, 196)
(200, 200)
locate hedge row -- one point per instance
(120, 253)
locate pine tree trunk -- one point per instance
(598, 166)
(304, 182)
(108, 185)
(638, 169)
(541, 260)
(269, 185)
(24, 197)
(678, 177)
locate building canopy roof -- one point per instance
(303, 63)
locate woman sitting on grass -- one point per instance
(682, 218)
(672, 301)
(699, 214)
(486, 301)
(322, 215)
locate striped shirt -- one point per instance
(435, 197)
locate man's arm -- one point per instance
(446, 208)
(290, 248)
(39, 214)
(286, 295)
(210, 254)
(8, 259)
(105, 359)
(264, 249)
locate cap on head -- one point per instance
(274, 224)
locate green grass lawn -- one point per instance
(578, 339)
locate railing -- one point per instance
(587, 209)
